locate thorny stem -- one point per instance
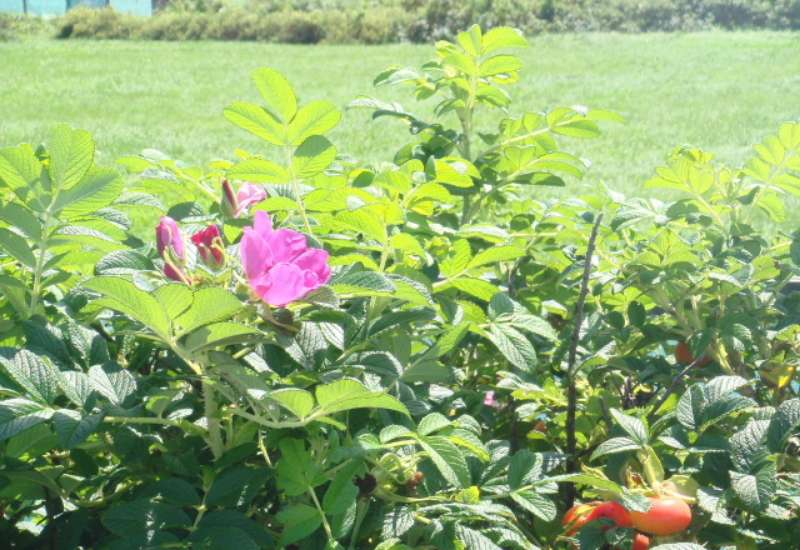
(572, 394)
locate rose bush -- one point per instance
(418, 354)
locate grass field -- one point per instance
(721, 91)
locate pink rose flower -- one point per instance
(170, 245)
(489, 400)
(235, 204)
(210, 246)
(279, 265)
(249, 195)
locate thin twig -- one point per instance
(675, 382)
(572, 394)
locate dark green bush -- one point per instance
(385, 21)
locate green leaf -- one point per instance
(175, 298)
(15, 246)
(783, 423)
(73, 428)
(541, 507)
(97, 190)
(19, 168)
(124, 262)
(448, 459)
(633, 426)
(347, 394)
(432, 423)
(496, 254)
(298, 402)
(222, 537)
(514, 346)
(315, 118)
(363, 283)
(455, 172)
(35, 373)
(258, 121)
(297, 470)
(219, 334)
(143, 515)
(502, 37)
(313, 156)
(20, 217)
(258, 171)
(299, 521)
(500, 64)
(365, 222)
(17, 415)
(483, 290)
(237, 487)
(115, 385)
(458, 259)
(76, 386)
(342, 492)
(524, 467)
(123, 296)
(615, 445)
(277, 93)
(209, 305)
(755, 491)
(71, 155)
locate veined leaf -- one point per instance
(258, 121)
(448, 459)
(17, 415)
(347, 394)
(315, 118)
(298, 402)
(277, 93)
(209, 305)
(123, 296)
(71, 155)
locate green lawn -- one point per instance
(720, 91)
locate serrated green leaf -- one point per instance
(113, 384)
(73, 428)
(16, 247)
(276, 92)
(347, 394)
(448, 459)
(123, 296)
(315, 118)
(71, 155)
(296, 401)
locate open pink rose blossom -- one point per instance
(279, 265)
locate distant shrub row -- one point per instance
(377, 22)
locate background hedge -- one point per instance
(383, 21)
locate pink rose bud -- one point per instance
(249, 195)
(171, 248)
(210, 246)
(489, 400)
(230, 203)
(279, 265)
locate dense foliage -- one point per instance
(376, 22)
(416, 354)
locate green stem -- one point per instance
(296, 190)
(325, 524)
(362, 507)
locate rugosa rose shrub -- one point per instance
(423, 353)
